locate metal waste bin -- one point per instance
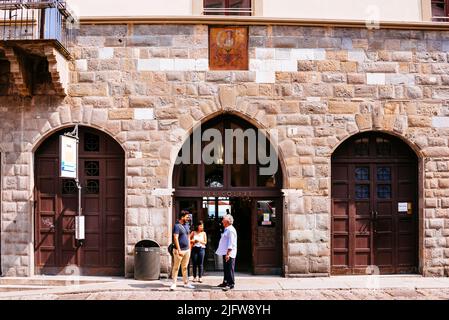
(147, 260)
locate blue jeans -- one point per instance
(198, 260)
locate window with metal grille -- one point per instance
(91, 142)
(440, 10)
(228, 7)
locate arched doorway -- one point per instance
(209, 191)
(101, 161)
(374, 206)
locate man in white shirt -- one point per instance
(228, 249)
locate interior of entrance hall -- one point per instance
(255, 220)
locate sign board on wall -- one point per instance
(69, 157)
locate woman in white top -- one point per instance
(198, 240)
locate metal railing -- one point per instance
(440, 19)
(228, 11)
(37, 20)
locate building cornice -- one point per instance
(214, 20)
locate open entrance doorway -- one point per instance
(210, 191)
(258, 225)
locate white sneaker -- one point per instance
(173, 287)
(189, 286)
(195, 280)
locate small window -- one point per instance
(384, 191)
(384, 174)
(69, 186)
(228, 7)
(92, 168)
(361, 191)
(93, 187)
(91, 142)
(361, 147)
(362, 173)
(440, 10)
(383, 147)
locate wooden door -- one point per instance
(374, 177)
(267, 236)
(102, 179)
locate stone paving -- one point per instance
(247, 288)
(333, 294)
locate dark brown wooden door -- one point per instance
(266, 236)
(102, 180)
(374, 206)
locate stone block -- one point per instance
(403, 56)
(419, 121)
(105, 53)
(343, 107)
(308, 54)
(328, 65)
(298, 265)
(357, 55)
(121, 114)
(343, 91)
(381, 67)
(356, 78)
(441, 93)
(81, 65)
(148, 65)
(375, 78)
(141, 102)
(228, 97)
(440, 122)
(266, 53)
(88, 89)
(318, 90)
(364, 121)
(265, 77)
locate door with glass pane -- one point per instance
(374, 207)
(267, 235)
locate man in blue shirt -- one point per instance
(228, 249)
(181, 251)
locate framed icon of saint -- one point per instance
(228, 48)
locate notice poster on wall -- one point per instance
(402, 207)
(69, 157)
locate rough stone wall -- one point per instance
(4, 75)
(148, 85)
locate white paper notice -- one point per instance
(402, 207)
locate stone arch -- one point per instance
(416, 149)
(238, 114)
(43, 136)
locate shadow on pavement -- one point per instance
(160, 286)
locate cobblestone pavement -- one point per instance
(409, 287)
(334, 294)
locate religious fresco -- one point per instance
(228, 48)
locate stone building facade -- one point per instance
(147, 85)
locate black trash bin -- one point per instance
(147, 260)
